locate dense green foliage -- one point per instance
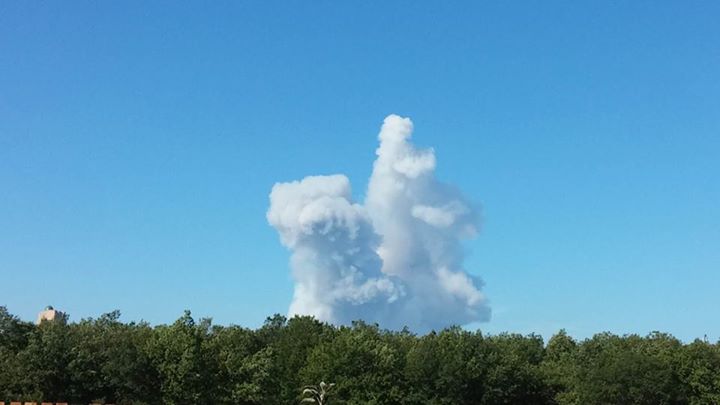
(192, 362)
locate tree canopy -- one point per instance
(194, 361)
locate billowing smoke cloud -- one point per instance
(397, 258)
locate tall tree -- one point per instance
(181, 355)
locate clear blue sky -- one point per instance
(139, 142)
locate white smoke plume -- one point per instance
(397, 258)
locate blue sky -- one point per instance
(139, 142)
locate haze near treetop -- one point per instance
(396, 259)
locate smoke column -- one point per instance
(396, 259)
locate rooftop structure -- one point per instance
(49, 314)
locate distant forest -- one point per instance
(195, 362)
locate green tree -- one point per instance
(628, 370)
(109, 362)
(446, 368)
(364, 363)
(245, 367)
(43, 364)
(291, 342)
(14, 336)
(14, 333)
(182, 357)
(514, 375)
(699, 369)
(558, 367)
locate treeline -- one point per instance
(195, 362)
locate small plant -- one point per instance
(317, 394)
